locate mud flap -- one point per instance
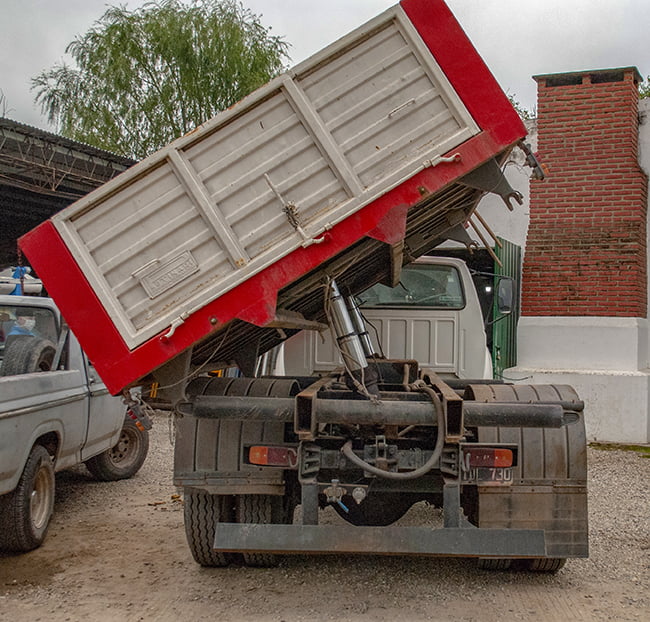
(549, 490)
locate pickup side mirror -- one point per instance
(505, 295)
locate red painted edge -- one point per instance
(465, 69)
(119, 367)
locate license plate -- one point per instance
(487, 476)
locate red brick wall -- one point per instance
(586, 246)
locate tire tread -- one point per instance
(104, 469)
(201, 513)
(17, 532)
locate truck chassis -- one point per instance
(507, 465)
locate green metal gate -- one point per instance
(504, 329)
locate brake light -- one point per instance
(488, 457)
(273, 456)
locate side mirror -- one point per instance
(505, 295)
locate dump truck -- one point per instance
(270, 219)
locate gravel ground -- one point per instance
(117, 551)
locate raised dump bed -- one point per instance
(351, 164)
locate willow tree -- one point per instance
(142, 78)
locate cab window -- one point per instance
(420, 286)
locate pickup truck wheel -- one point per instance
(25, 513)
(26, 354)
(125, 458)
(260, 509)
(201, 512)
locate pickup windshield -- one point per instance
(424, 285)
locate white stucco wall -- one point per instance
(605, 359)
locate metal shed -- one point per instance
(40, 174)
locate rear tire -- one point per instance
(492, 564)
(546, 564)
(549, 488)
(260, 509)
(125, 458)
(25, 513)
(202, 512)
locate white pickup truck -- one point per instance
(55, 412)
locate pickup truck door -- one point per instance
(105, 415)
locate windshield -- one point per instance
(421, 285)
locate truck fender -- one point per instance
(49, 434)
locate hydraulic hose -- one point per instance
(347, 451)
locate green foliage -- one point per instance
(644, 89)
(642, 450)
(145, 77)
(521, 111)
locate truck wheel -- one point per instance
(201, 512)
(546, 564)
(491, 563)
(259, 509)
(125, 458)
(549, 488)
(25, 354)
(25, 513)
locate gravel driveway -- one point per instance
(117, 551)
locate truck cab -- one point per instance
(432, 316)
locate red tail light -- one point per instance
(488, 457)
(273, 456)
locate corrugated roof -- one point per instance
(40, 174)
(30, 130)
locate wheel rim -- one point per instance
(41, 498)
(126, 450)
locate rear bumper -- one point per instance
(336, 539)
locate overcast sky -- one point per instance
(516, 38)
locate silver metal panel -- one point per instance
(423, 336)
(268, 144)
(207, 212)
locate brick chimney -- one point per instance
(586, 245)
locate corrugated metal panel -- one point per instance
(407, 339)
(266, 177)
(504, 335)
